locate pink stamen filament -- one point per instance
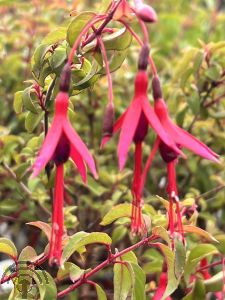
(173, 198)
(109, 78)
(148, 164)
(136, 218)
(57, 218)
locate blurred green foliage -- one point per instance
(188, 46)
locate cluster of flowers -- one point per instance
(63, 142)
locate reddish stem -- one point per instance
(141, 43)
(38, 262)
(105, 263)
(107, 68)
(136, 218)
(217, 263)
(94, 20)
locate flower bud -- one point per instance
(145, 12)
(156, 88)
(108, 121)
(65, 79)
(143, 58)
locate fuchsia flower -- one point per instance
(134, 122)
(182, 139)
(62, 142)
(175, 133)
(133, 125)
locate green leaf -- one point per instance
(27, 254)
(198, 292)
(70, 270)
(18, 102)
(38, 58)
(77, 25)
(46, 284)
(197, 62)
(213, 72)
(196, 255)
(8, 247)
(130, 257)
(119, 211)
(162, 232)
(119, 40)
(57, 59)
(180, 258)
(173, 282)
(29, 103)
(115, 61)
(83, 239)
(138, 291)
(95, 187)
(55, 36)
(118, 233)
(100, 293)
(8, 206)
(32, 120)
(215, 283)
(194, 102)
(122, 281)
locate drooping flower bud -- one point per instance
(65, 79)
(145, 12)
(143, 58)
(156, 88)
(108, 121)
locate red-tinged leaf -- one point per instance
(200, 232)
(46, 228)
